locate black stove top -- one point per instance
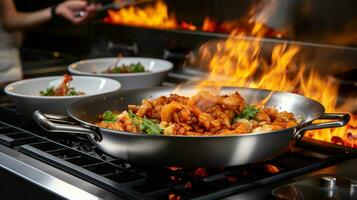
(77, 156)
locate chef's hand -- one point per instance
(76, 11)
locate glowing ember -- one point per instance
(271, 169)
(232, 179)
(174, 168)
(188, 185)
(200, 172)
(175, 179)
(173, 196)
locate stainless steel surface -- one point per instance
(62, 128)
(310, 188)
(52, 175)
(44, 180)
(342, 120)
(344, 169)
(60, 118)
(200, 151)
(328, 182)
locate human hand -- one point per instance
(70, 9)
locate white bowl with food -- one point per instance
(131, 72)
(54, 94)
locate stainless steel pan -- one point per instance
(188, 151)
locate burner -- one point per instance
(325, 186)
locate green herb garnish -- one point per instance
(132, 68)
(301, 119)
(109, 117)
(248, 113)
(137, 67)
(48, 92)
(116, 70)
(145, 125)
(72, 92)
(51, 92)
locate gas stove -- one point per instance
(56, 166)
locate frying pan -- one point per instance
(191, 151)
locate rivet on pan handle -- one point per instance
(342, 120)
(52, 125)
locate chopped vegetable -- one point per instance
(249, 113)
(132, 68)
(63, 89)
(137, 67)
(48, 92)
(145, 125)
(301, 119)
(73, 92)
(109, 117)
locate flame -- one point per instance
(209, 25)
(157, 16)
(150, 16)
(239, 62)
(345, 36)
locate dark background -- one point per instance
(309, 20)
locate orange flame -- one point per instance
(239, 62)
(157, 16)
(209, 25)
(150, 16)
(271, 168)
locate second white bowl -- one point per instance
(157, 70)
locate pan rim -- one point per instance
(296, 128)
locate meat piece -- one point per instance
(233, 102)
(145, 107)
(262, 115)
(167, 111)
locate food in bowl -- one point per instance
(154, 73)
(126, 68)
(204, 114)
(25, 93)
(63, 89)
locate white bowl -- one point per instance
(25, 93)
(157, 71)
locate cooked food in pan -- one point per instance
(204, 114)
(64, 89)
(131, 68)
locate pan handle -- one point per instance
(62, 124)
(341, 120)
